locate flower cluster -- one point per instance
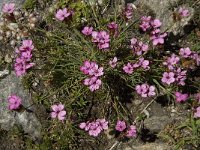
(130, 131)
(22, 62)
(113, 27)
(94, 72)
(63, 14)
(94, 128)
(145, 90)
(129, 67)
(138, 47)
(101, 38)
(14, 102)
(58, 112)
(180, 97)
(172, 62)
(153, 25)
(179, 76)
(9, 8)
(128, 12)
(197, 113)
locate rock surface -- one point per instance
(163, 11)
(26, 119)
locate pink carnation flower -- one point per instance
(58, 112)
(113, 62)
(87, 30)
(131, 132)
(128, 68)
(197, 113)
(120, 126)
(156, 23)
(181, 97)
(62, 14)
(145, 90)
(9, 8)
(168, 78)
(184, 12)
(185, 52)
(14, 102)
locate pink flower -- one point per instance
(185, 52)
(156, 23)
(62, 14)
(103, 124)
(184, 12)
(27, 45)
(113, 26)
(197, 113)
(19, 67)
(138, 47)
(145, 90)
(128, 11)
(128, 68)
(113, 62)
(14, 102)
(95, 86)
(8, 8)
(158, 39)
(58, 111)
(94, 128)
(168, 78)
(181, 97)
(180, 76)
(171, 61)
(87, 30)
(145, 25)
(101, 38)
(144, 63)
(195, 56)
(120, 126)
(131, 132)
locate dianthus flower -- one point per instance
(183, 12)
(94, 128)
(128, 68)
(128, 12)
(131, 132)
(185, 52)
(156, 23)
(145, 25)
(94, 71)
(113, 62)
(145, 90)
(168, 78)
(171, 62)
(180, 76)
(144, 63)
(22, 61)
(87, 30)
(9, 8)
(181, 97)
(102, 39)
(14, 102)
(62, 14)
(158, 38)
(138, 47)
(58, 112)
(197, 113)
(120, 126)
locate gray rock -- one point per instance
(26, 119)
(17, 2)
(162, 10)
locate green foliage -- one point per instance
(29, 4)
